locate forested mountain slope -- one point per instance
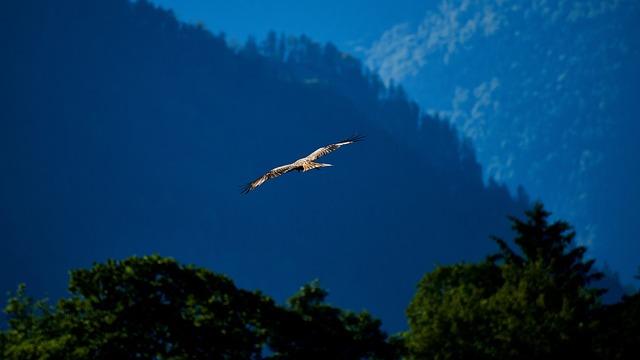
(125, 132)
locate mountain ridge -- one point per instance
(128, 132)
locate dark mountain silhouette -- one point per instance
(126, 132)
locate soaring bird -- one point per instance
(304, 164)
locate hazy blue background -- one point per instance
(126, 132)
(547, 90)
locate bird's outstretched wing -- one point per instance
(303, 164)
(329, 148)
(269, 175)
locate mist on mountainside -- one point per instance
(546, 91)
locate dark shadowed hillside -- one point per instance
(125, 132)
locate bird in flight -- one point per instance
(304, 164)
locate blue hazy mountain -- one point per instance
(126, 132)
(546, 90)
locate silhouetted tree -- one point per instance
(270, 45)
(618, 328)
(250, 49)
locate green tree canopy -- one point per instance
(533, 301)
(308, 328)
(529, 303)
(155, 308)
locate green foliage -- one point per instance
(310, 329)
(550, 244)
(531, 304)
(449, 315)
(33, 330)
(617, 334)
(152, 307)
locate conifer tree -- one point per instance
(528, 303)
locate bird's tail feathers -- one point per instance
(313, 165)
